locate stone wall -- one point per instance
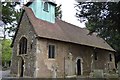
(25, 30)
(36, 61)
(65, 65)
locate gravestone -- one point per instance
(98, 73)
(69, 65)
(55, 70)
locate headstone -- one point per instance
(55, 69)
(98, 73)
(69, 66)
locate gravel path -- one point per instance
(4, 73)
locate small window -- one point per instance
(95, 55)
(45, 6)
(51, 51)
(110, 57)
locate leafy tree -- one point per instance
(6, 51)
(0, 6)
(10, 16)
(58, 12)
(102, 18)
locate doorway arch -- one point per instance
(79, 66)
(21, 64)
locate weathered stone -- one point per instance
(25, 30)
(38, 65)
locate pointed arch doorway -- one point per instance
(79, 66)
(21, 67)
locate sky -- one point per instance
(68, 12)
(1, 28)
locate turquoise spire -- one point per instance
(44, 10)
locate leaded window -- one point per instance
(23, 46)
(51, 51)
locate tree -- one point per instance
(102, 18)
(58, 12)
(10, 16)
(6, 51)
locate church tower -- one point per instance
(44, 9)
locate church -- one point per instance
(46, 47)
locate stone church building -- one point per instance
(45, 47)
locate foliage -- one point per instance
(6, 50)
(10, 16)
(102, 18)
(58, 12)
(0, 6)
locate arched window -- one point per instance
(95, 54)
(45, 6)
(23, 46)
(110, 57)
(79, 66)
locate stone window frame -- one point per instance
(54, 51)
(110, 57)
(19, 44)
(95, 55)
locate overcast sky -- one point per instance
(68, 12)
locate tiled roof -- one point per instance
(64, 31)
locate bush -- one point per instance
(6, 52)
